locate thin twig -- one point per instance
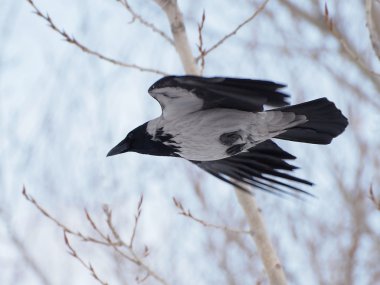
(188, 214)
(347, 48)
(233, 32)
(200, 44)
(374, 200)
(108, 212)
(105, 237)
(136, 259)
(73, 41)
(88, 266)
(141, 19)
(117, 245)
(64, 227)
(138, 280)
(345, 45)
(137, 217)
(329, 28)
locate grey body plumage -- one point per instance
(220, 125)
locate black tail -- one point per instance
(325, 122)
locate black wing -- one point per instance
(216, 92)
(260, 167)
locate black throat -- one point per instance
(145, 143)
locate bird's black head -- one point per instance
(134, 141)
(139, 140)
(167, 81)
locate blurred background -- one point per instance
(61, 110)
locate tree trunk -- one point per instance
(258, 231)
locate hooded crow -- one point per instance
(220, 125)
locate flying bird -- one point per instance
(220, 125)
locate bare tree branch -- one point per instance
(373, 24)
(233, 32)
(327, 28)
(136, 258)
(119, 245)
(64, 227)
(73, 41)
(24, 252)
(351, 52)
(178, 29)
(268, 254)
(188, 214)
(345, 45)
(144, 22)
(88, 266)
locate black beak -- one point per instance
(121, 147)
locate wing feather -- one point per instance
(181, 94)
(263, 167)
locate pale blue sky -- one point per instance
(62, 110)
